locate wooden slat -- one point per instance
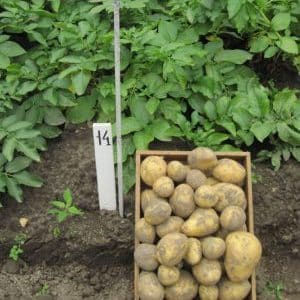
(243, 157)
(137, 217)
(250, 217)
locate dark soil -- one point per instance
(92, 257)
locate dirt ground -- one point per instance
(92, 257)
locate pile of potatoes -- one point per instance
(193, 240)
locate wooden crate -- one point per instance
(242, 157)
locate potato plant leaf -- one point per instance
(234, 56)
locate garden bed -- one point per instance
(92, 258)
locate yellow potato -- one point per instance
(171, 249)
(144, 231)
(148, 196)
(182, 201)
(207, 272)
(206, 197)
(202, 158)
(163, 186)
(172, 224)
(186, 288)
(168, 275)
(202, 222)
(232, 218)
(157, 212)
(213, 247)
(149, 288)
(195, 178)
(229, 170)
(194, 252)
(177, 171)
(208, 292)
(145, 257)
(243, 252)
(234, 290)
(211, 181)
(229, 194)
(153, 167)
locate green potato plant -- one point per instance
(185, 74)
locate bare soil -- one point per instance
(92, 257)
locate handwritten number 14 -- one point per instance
(103, 138)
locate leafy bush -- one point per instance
(185, 73)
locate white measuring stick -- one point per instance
(118, 103)
(105, 165)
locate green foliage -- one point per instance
(16, 250)
(56, 232)
(43, 290)
(275, 289)
(184, 74)
(255, 176)
(63, 209)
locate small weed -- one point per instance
(16, 250)
(275, 289)
(256, 178)
(56, 232)
(44, 290)
(65, 208)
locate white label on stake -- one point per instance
(105, 165)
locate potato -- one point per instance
(206, 197)
(144, 231)
(177, 171)
(145, 257)
(153, 167)
(213, 247)
(243, 252)
(148, 196)
(149, 288)
(202, 158)
(232, 218)
(182, 201)
(208, 292)
(229, 194)
(172, 224)
(211, 181)
(186, 288)
(195, 178)
(234, 291)
(194, 252)
(207, 272)
(157, 212)
(168, 275)
(171, 249)
(229, 170)
(202, 222)
(163, 186)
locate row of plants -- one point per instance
(185, 73)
